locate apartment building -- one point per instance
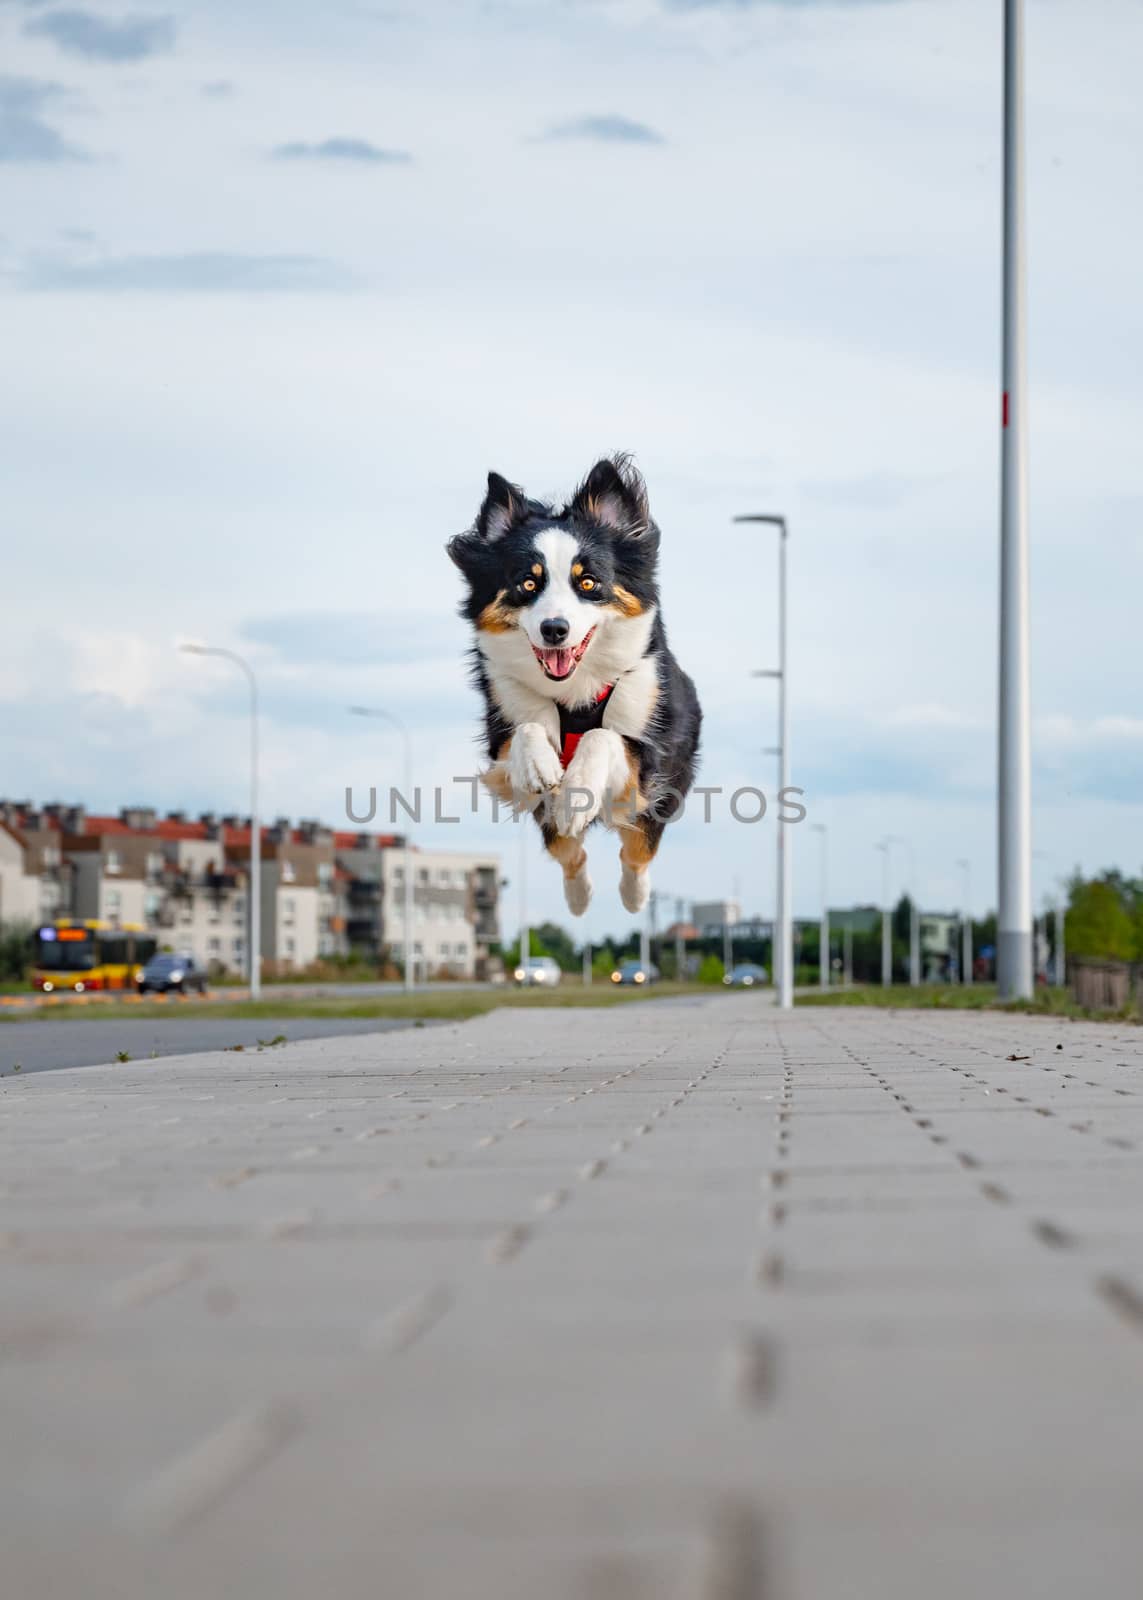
(323, 893)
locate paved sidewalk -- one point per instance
(683, 1301)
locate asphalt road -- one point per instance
(38, 1046)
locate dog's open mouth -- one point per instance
(562, 663)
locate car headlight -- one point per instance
(617, 977)
(48, 986)
(79, 988)
(519, 974)
(727, 978)
(176, 977)
(747, 981)
(640, 977)
(139, 975)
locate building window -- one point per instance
(290, 948)
(288, 910)
(325, 874)
(239, 908)
(112, 903)
(287, 872)
(214, 946)
(111, 861)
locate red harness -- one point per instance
(580, 720)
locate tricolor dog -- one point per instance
(588, 716)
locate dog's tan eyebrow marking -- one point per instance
(577, 569)
(626, 602)
(537, 571)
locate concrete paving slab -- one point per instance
(687, 1302)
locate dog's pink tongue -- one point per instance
(560, 662)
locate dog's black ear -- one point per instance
(503, 505)
(614, 495)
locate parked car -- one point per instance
(164, 973)
(633, 971)
(538, 972)
(745, 976)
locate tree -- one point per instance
(557, 942)
(536, 947)
(15, 951)
(1098, 924)
(711, 970)
(603, 963)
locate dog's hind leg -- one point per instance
(640, 841)
(572, 857)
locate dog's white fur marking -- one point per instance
(560, 598)
(633, 700)
(533, 762)
(597, 771)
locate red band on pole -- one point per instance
(1006, 408)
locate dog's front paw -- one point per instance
(576, 805)
(534, 766)
(597, 771)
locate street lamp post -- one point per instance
(885, 846)
(966, 923)
(785, 949)
(381, 715)
(254, 954)
(1014, 790)
(823, 929)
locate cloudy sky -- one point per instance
(280, 282)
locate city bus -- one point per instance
(78, 957)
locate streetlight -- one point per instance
(823, 930)
(885, 846)
(965, 923)
(381, 715)
(1014, 788)
(785, 884)
(254, 955)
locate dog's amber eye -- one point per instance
(587, 584)
(529, 584)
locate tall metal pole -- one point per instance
(255, 959)
(966, 924)
(1014, 811)
(1061, 953)
(727, 946)
(886, 931)
(587, 966)
(784, 944)
(525, 930)
(823, 925)
(848, 958)
(785, 843)
(408, 942)
(254, 954)
(680, 943)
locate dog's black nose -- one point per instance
(555, 630)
